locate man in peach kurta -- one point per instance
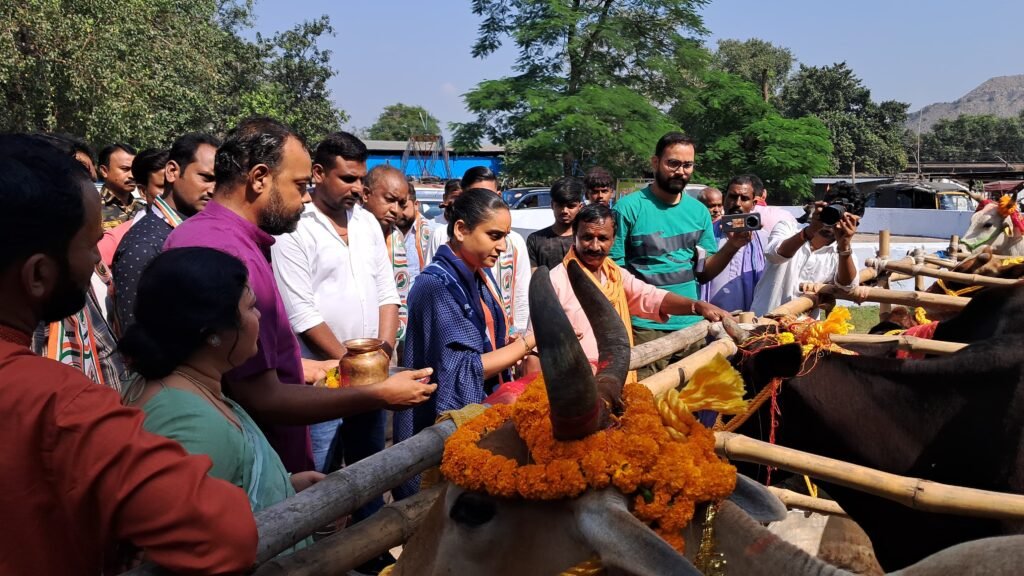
(594, 234)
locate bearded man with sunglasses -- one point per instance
(659, 231)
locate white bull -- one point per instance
(992, 226)
(473, 533)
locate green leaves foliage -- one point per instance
(737, 132)
(972, 138)
(589, 76)
(399, 121)
(759, 62)
(866, 136)
(145, 71)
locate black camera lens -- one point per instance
(832, 214)
(753, 222)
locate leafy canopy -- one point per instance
(399, 121)
(737, 132)
(757, 61)
(586, 70)
(866, 136)
(146, 71)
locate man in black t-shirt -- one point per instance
(547, 247)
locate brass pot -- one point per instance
(364, 363)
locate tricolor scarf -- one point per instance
(73, 342)
(170, 215)
(613, 289)
(399, 257)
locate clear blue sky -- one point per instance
(916, 51)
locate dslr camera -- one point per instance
(748, 222)
(842, 198)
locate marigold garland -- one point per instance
(664, 476)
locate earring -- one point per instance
(213, 341)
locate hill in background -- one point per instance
(1000, 96)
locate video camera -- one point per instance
(748, 222)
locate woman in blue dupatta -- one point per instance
(456, 323)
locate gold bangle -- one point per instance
(525, 345)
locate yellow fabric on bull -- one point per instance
(461, 416)
(714, 386)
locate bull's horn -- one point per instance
(576, 410)
(612, 340)
(975, 196)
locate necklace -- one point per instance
(217, 402)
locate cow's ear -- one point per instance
(623, 541)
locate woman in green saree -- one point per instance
(196, 318)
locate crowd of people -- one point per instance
(159, 337)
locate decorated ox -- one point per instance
(957, 419)
(475, 532)
(996, 224)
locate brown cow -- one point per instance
(957, 419)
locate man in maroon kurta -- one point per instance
(80, 473)
(259, 195)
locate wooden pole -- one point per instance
(942, 262)
(915, 493)
(803, 502)
(919, 263)
(948, 275)
(678, 373)
(797, 306)
(900, 342)
(954, 245)
(883, 252)
(667, 345)
(343, 551)
(924, 299)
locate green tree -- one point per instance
(292, 85)
(144, 71)
(737, 132)
(399, 121)
(970, 138)
(867, 137)
(759, 62)
(587, 74)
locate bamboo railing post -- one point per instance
(915, 493)
(796, 500)
(925, 300)
(954, 246)
(678, 373)
(668, 345)
(797, 306)
(900, 342)
(341, 552)
(919, 262)
(883, 253)
(904, 268)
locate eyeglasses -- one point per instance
(674, 165)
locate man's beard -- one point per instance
(275, 219)
(671, 184)
(67, 298)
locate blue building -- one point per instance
(426, 163)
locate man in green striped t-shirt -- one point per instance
(659, 229)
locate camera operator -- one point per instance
(733, 288)
(820, 252)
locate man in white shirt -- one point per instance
(817, 253)
(336, 283)
(388, 200)
(512, 270)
